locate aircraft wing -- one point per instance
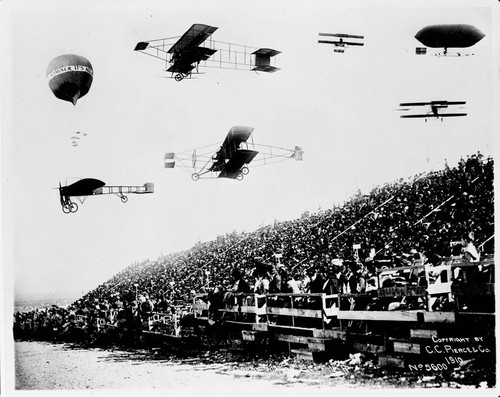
(193, 37)
(343, 35)
(83, 187)
(415, 104)
(446, 103)
(235, 137)
(186, 61)
(236, 162)
(452, 114)
(185, 51)
(353, 43)
(417, 116)
(330, 42)
(432, 103)
(340, 42)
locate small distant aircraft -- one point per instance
(91, 187)
(435, 109)
(231, 159)
(195, 46)
(340, 44)
(448, 36)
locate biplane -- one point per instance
(340, 44)
(448, 36)
(196, 47)
(92, 187)
(436, 108)
(231, 158)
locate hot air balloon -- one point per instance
(70, 77)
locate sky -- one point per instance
(340, 108)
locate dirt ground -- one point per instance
(47, 366)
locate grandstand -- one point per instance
(393, 219)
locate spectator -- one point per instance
(469, 251)
(240, 285)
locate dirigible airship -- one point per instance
(448, 36)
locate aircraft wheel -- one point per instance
(240, 177)
(245, 170)
(195, 176)
(73, 207)
(178, 77)
(66, 209)
(124, 199)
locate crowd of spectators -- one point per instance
(392, 225)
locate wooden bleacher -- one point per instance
(308, 325)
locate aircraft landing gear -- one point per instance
(181, 76)
(245, 170)
(240, 176)
(69, 207)
(124, 199)
(195, 177)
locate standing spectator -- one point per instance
(275, 285)
(317, 283)
(305, 285)
(261, 282)
(240, 285)
(469, 251)
(469, 254)
(293, 283)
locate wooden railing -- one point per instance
(429, 284)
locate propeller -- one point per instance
(60, 192)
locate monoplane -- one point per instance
(448, 36)
(340, 44)
(92, 187)
(435, 110)
(196, 47)
(232, 157)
